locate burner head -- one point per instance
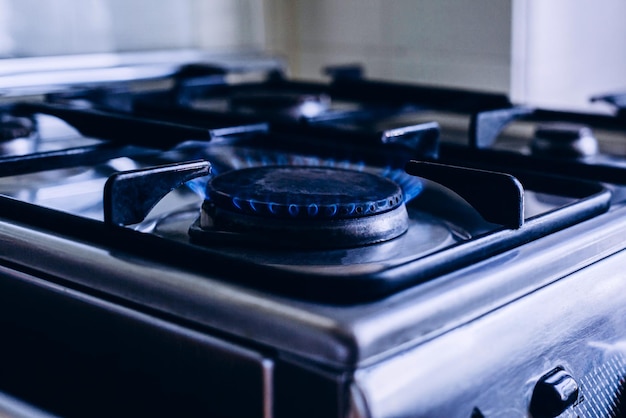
(16, 135)
(304, 192)
(567, 140)
(290, 104)
(304, 206)
(13, 127)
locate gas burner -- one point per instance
(287, 104)
(16, 135)
(302, 206)
(560, 139)
(12, 127)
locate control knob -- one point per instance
(554, 393)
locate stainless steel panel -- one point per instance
(493, 364)
(76, 355)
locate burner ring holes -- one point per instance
(330, 210)
(273, 208)
(348, 209)
(293, 210)
(253, 206)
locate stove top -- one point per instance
(350, 185)
(350, 230)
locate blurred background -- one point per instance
(554, 53)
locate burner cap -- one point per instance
(304, 192)
(12, 127)
(560, 139)
(312, 206)
(289, 103)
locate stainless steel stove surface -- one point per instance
(222, 245)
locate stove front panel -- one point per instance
(500, 365)
(72, 354)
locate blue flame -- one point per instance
(198, 186)
(411, 186)
(253, 205)
(244, 158)
(294, 210)
(350, 208)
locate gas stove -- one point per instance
(226, 240)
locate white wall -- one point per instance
(228, 24)
(565, 51)
(554, 53)
(58, 27)
(34, 27)
(460, 43)
(551, 53)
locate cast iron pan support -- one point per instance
(130, 195)
(199, 80)
(617, 100)
(121, 128)
(498, 197)
(486, 126)
(422, 139)
(349, 82)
